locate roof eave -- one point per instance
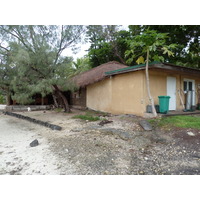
(125, 71)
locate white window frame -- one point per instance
(193, 88)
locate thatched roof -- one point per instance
(96, 74)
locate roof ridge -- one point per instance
(110, 62)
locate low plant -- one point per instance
(86, 117)
(58, 109)
(177, 121)
(98, 113)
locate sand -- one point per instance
(16, 155)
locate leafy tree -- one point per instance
(107, 44)
(7, 72)
(36, 54)
(81, 65)
(187, 38)
(153, 47)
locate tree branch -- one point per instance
(4, 48)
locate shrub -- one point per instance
(2, 99)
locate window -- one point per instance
(188, 85)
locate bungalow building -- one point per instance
(119, 89)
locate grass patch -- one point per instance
(177, 121)
(86, 117)
(97, 113)
(58, 109)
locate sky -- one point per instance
(80, 53)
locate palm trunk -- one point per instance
(148, 86)
(64, 99)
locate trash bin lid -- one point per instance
(164, 97)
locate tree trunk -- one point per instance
(116, 52)
(55, 100)
(42, 100)
(148, 86)
(64, 99)
(8, 99)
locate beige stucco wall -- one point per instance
(99, 96)
(127, 94)
(121, 94)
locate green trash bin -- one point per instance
(164, 104)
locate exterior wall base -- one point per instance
(19, 108)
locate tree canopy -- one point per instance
(186, 37)
(33, 55)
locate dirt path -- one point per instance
(84, 147)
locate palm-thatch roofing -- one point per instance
(96, 74)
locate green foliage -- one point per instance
(107, 44)
(177, 121)
(186, 38)
(58, 109)
(97, 113)
(149, 41)
(80, 65)
(115, 45)
(32, 59)
(2, 99)
(87, 117)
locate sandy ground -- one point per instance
(83, 147)
(16, 155)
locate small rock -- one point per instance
(26, 163)
(12, 164)
(76, 130)
(34, 143)
(190, 133)
(145, 125)
(59, 166)
(105, 122)
(13, 172)
(66, 150)
(106, 173)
